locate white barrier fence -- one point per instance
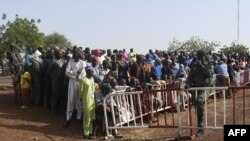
(115, 117)
(125, 110)
(219, 110)
(187, 122)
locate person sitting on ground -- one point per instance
(99, 97)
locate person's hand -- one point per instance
(79, 71)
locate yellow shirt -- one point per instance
(25, 83)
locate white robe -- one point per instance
(74, 100)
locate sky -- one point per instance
(138, 24)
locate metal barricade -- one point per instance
(119, 117)
(240, 105)
(218, 111)
(139, 109)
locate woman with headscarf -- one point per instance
(181, 72)
(156, 70)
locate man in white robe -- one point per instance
(75, 71)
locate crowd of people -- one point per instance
(65, 80)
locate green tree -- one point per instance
(193, 44)
(23, 32)
(174, 45)
(56, 39)
(234, 47)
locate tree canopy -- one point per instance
(234, 47)
(193, 44)
(23, 32)
(56, 39)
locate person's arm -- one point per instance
(69, 72)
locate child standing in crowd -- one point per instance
(25, 85)
(86, 91)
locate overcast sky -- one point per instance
(141, 24)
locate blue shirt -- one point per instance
(221, 69)
(156, 70)
(28, 59)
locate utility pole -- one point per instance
(238, 23)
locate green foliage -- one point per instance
(175, 45)
(23, 32)
(2, 50)
(56, 40)
(241, 49)
(193, 44)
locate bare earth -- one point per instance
(36, 124)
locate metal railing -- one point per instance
(136, 109)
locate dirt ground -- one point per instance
(35, 123)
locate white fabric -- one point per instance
(74, 101)
(37, 53)
(102, 58)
